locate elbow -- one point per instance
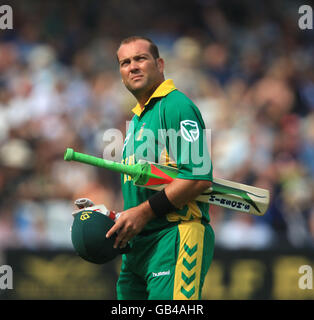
(204, 184)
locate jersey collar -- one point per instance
(165, 88)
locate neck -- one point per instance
(142, 97)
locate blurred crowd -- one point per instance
(248, 67)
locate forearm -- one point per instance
(181, 191)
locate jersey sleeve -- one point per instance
(185, 137)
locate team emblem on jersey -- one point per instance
(189, 130)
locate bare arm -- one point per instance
(182, 191)
(133, 220)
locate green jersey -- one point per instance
(169, 130)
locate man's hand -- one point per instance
(130, 223)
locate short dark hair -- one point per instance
(152, 48)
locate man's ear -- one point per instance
(160, 64)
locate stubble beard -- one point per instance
(143, 90)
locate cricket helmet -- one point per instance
(88, 235)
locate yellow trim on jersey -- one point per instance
(193, 212)
(130, 160)
(165, 159)
(189, 262)
(166, 87)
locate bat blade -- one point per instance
(238, 196)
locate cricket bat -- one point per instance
(224, 193)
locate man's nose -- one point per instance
(134, 66)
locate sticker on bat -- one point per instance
(229, 203)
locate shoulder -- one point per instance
(179, 102)
(178, 96)
(177, 107)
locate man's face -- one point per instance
(140, 71)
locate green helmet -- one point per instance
(88, 234)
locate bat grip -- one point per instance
(70, 155)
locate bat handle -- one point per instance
(69, 154)
(132, 170)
